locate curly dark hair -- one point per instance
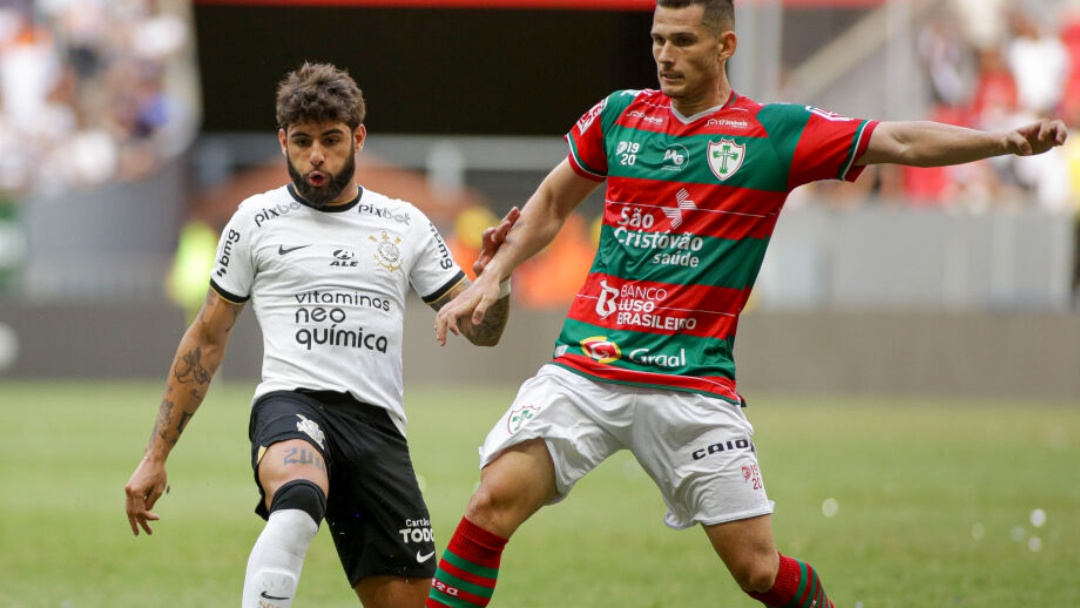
(319, 92)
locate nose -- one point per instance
(663, 53)
(318, 155)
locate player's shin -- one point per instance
(468, 569)
(797, 586)
(273, 569)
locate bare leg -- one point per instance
(392, 592)
(512, 487)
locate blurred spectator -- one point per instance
(995, 99)
(1039, 63)
(193, 262)
(84, 93)
(947, 61)
(983, 21)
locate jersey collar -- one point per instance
(335, 208)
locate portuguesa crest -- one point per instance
(725, 157)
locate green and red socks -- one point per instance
(797, 586)
(468, 569)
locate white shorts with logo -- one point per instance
(697, 449)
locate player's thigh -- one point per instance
(513, 487)
(700, 452)
(289, 460)
(392, 591)
(377, 515)
(288, 441)
(577, 419)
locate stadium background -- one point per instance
(946, 283)
(910, 355)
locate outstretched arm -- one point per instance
(197, 358)
(541, 218)
(934, 144)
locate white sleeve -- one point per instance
(435, 271)
(234, 270)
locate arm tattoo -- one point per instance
(164, 415)
(161, 427)
(191, 369)
(488, 332)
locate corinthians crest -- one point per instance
(387, 253)
(725, 157)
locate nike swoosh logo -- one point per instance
(282, 250)
(267, 596)
(423, 558)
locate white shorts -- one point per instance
(697, 449)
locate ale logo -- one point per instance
(601, 349)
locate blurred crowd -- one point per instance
(994, 65)
(85, 93)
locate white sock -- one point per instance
(273, 569)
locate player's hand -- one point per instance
(147, 484)
(1037, 137)
(493, 238)
(472, 304)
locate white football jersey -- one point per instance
(328, 288)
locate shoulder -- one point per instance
(265, 206)
(621, 100)
(391, 210)
(610, 108)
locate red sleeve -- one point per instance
(587, 154)
(828, 148)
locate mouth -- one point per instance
(317, 179)
(670, 77)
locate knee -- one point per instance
(302, 495)
(755, 574)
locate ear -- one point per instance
(281, 137)
(360, 135)
(727, 44)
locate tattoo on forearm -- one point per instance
(488, 331)
(164, 416)
(164, 420)
(191, 370)
(304, 456)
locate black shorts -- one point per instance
(375, 510)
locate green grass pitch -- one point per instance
(898, 503)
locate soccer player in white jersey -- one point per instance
(696, 177)
(327, 266)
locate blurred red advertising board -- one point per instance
(597, 5)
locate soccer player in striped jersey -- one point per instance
(696, 175)
(327, 266)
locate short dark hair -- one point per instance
(319, 92)
(719, 14)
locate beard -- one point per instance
(319, 196)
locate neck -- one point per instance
(717, 97)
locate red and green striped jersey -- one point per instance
(690, 206)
